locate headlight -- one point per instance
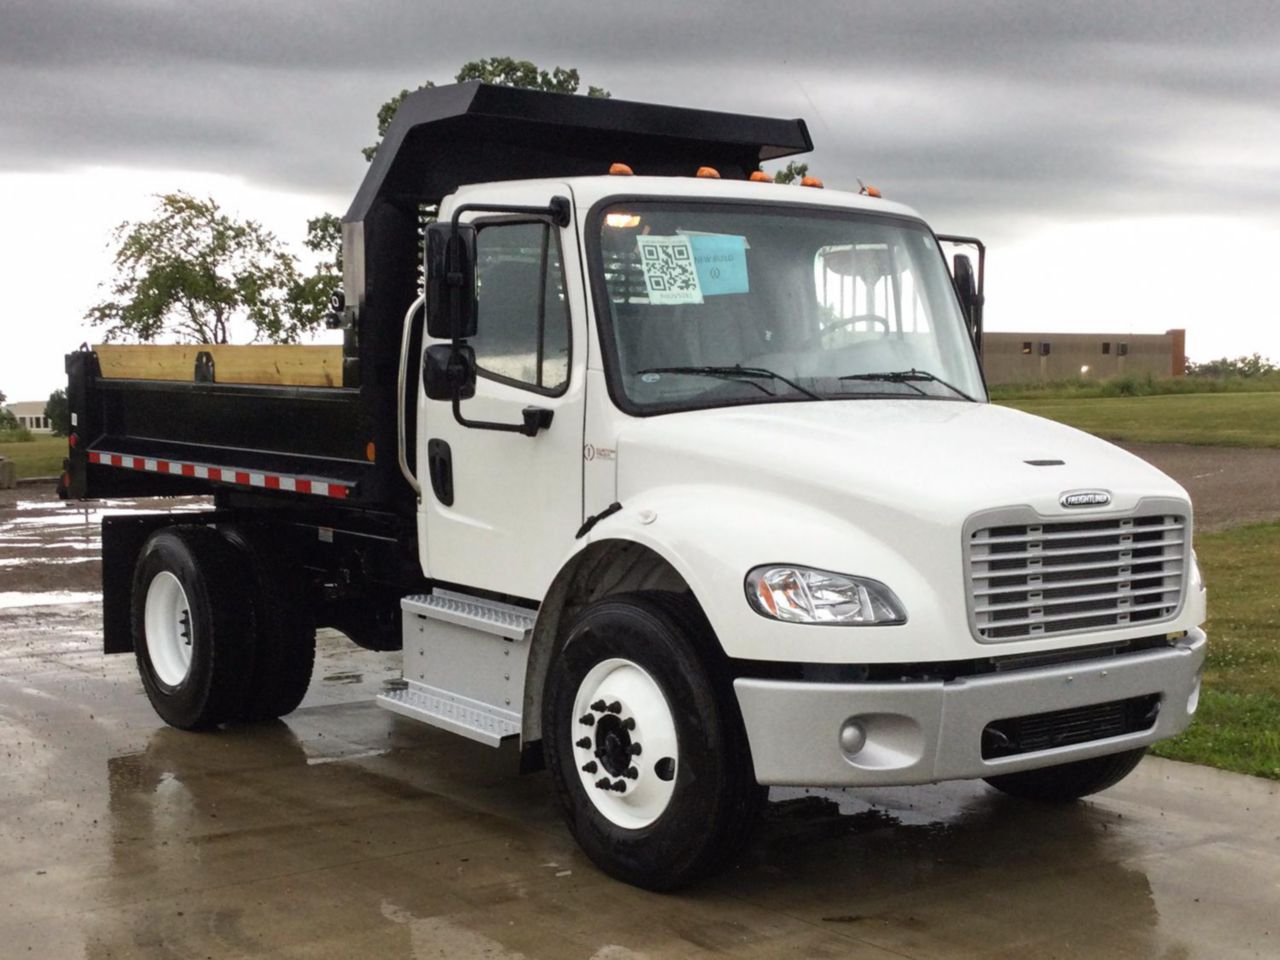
(803, 595)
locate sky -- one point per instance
(1122, 161)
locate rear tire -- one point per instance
(640, 667)
(192, 623)
(1069, 781)
(284, 632)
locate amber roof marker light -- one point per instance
(620, 170)
(759, 176)
(708, 173)
(811, 182)
(869, 191)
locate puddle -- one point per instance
(82, 515)
(10, 600)
(344, 678)
(43, 561)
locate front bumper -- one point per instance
(933, 731)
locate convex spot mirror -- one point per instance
(449, 371)
(451, 281)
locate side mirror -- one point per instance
(449, 371)
(966, 285)
(451, 281)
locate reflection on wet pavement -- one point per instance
(49, 549)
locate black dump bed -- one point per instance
(136, 436)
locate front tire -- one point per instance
(1069, 781)
(644, 742)
(192, 626)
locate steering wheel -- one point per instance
(868, 318)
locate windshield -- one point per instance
(718, 304)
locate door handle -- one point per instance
(440, 469)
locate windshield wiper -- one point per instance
(910, 378)
(736, 372)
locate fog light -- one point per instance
(852, 737)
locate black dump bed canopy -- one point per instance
(474, 132)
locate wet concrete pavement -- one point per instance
(346, 831)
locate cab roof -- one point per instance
(588, 191)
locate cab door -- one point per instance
(516, 500)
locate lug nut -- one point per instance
(632, 773)
(635, 749)
(619, 786)
(584, 743)
(614, 707)
(587, 721)
(629, 724)
(590, 767)
(598, 706)
(604, 784)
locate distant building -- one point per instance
(1028, 357)
(30, 414)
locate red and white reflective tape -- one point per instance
(244, 478)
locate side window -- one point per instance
(523, 317)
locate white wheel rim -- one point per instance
(169, 629)
(621, 711)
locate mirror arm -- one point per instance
(535, 420)
(557, 211)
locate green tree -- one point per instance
(7, 420)
(1255, 365)
(191, 271)
(58, 411)
(324, 236)
(793, 172)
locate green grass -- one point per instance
(1238, 723)
(1242, 419)
(1133, 386)
(41, 457)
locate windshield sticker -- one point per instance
(721, 262)
(669, 273)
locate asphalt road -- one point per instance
(346, 831)
(1228, 485)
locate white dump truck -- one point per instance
(684, 479)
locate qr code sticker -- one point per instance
(670, 275)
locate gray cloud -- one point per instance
(983, 115)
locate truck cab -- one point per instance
(697, 490)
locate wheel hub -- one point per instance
(168, 627)
(613, 745)
(625, 743)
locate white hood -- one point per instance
(937, 460)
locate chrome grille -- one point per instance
(1043, 579)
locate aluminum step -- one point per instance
(487, 616)
(478, 721)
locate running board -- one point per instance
(472, 719)
(463, 665)
(487, 616)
